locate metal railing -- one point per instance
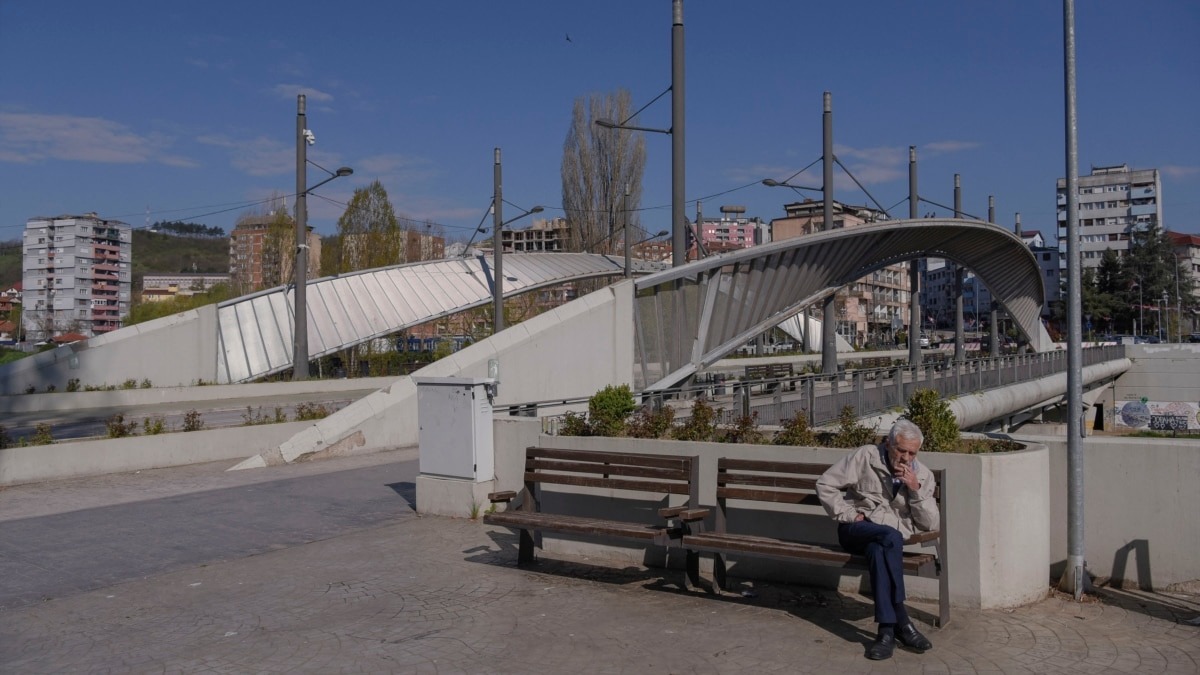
(869, 391)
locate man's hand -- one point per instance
(858, 517)
(906, 475)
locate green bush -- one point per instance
(146, 383)
(5, 440)
(850, 433)
(702, 426)
(192, 421)
(574, 424)
(73, 384)
(796, 432)
(129, 384)
(608, 408)
(743, 430)
(309, 411)
(152, 426)
(119, 428)
(42, 435)
(932, 414)
(650, 423)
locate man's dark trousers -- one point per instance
(883, 547)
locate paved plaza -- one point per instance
(325, 568)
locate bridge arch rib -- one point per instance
(254, 332)
(690, 316)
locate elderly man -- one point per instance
(880, 496)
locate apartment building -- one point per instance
(1113, 201)
(872, 309)
(732, 231)
(76, 275)
(164, 286)
(262, 252)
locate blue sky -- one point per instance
(188, 109)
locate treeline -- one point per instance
(183, 229)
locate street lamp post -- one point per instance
(1162, 327)
(498, 246)
(304, 138)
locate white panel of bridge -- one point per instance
(255, 332)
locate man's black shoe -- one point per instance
(910, 637)
(882, 647)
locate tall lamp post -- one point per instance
(304, 138)
(1162, 327)
(498, 224)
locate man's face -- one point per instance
(902, 452)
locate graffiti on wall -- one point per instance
(1157, 415)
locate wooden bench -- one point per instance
(748, 482)
(873, 362)
(771, 373)
(658, 476)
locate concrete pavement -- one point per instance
(323, 567)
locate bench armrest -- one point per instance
(504, 496)
(683, 513)
(922, 537)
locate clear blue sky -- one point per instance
(188, 109)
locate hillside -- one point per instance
(152, 252)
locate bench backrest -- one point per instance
(663, 474)
(760, 480)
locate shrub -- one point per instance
(932, 414)
(310, 411)
(743, 430)
(649, 422)
(5, 441)
(608, 408)
(129, 384)
(796, 431)
(30, 389)
(702, 426)
(192, 421)
(146, 383)
(119, 428)
(850, 433)
(574, 424)
(50, 389)
(152, 426)
(73, 384)
(42, 435)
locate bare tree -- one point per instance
(597, 163)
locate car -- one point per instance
(923, 340)
(1194, 337)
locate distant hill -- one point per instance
(152, 252)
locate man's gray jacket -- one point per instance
(861, 482)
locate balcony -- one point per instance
(1142, 192)
(1143, 209)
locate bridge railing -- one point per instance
(868, 391)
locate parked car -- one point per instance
(1194, 337)
(923, 341)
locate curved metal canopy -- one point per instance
(690, 316)
(254, 332)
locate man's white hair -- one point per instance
(906, 429)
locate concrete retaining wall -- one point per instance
(998, 535)
(175, 350)
(88, 458)
(1140, 522)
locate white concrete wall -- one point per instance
(1140, 523)
(88, 458)
(1160, 373)
(571, 351)
(998, 545)
(176, 350)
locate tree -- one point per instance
(597, 164)
(1151, 268)
(368, 232)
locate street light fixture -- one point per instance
(770, 182)
(304, 138)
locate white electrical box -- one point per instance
(454, 416)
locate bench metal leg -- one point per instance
(719, 571)
(943, 595)
(692, 562)
(525, 553)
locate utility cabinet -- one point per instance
(454, 416)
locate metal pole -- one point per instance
(678, 220)
(829, 317)
(497, 247)
(300, 267)
(994, 318)
(914, 271)
(625, 229)
(1074, 580)
(958, 280)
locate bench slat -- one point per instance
(915, 563)
(776, 496)
(810, 469)
(609, 469)
(613, 483)
(574, 524)
(660, 461)
(730, 478)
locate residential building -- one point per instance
(75, 275)
(262, 252)
(1187, 251)
(1113, 201)
(544, 235)
(160, 286)
(872, 309)
(10, 298)
(731, 232)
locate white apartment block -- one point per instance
(1113, 201)
(76, 275)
